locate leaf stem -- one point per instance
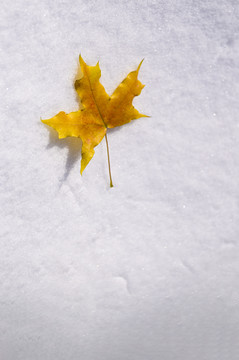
(108, 155)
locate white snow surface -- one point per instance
(147, 270)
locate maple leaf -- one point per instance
(99, 110)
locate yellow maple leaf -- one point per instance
(100, 111)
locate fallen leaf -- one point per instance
(99, 110)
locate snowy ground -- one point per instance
(147, 270)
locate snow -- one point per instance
(149, 269)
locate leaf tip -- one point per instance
(83, 164)
(82, 63)
(139, 65)
(43, 121)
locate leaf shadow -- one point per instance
(118, 128)
(74, 146)
(113, 130)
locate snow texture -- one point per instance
(149, 269)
